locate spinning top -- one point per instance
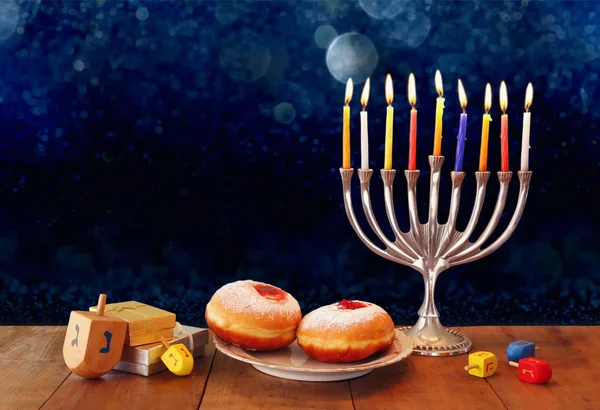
(531, 370)
(93, 342)
(482, 364)
(177, 358)
(520, 349)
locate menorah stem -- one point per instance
(428, 334)
(430, 276)
(435, 162)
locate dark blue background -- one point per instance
(158, 150)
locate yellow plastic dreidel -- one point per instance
(482, 364)
(93, 342)
(177, 358)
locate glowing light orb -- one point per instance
(383, 9)
(351, 55)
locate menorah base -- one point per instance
(430, 338)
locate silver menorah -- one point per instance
(431, 248)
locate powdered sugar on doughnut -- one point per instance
(333, 317)
(242, 296)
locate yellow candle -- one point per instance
(346, 127)
(439, 113)
(389, 123)
(485, 129)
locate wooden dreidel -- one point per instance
(482, 364)
(93, 342)
(532, 370)
(177, 358)
(520, 349)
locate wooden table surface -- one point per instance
(33, 375)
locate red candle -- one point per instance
(504, 127)
(412, 148)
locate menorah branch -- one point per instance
(346, 175)
(524, 179)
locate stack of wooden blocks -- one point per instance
(147, 325)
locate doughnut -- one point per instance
(346, 331)
(253, 315)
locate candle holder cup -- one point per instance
(431, 248)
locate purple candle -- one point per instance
(462, 129)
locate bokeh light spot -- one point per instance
(142, 13)
(351, 55)
(79, 65)
(284, 112)
(383, 9)
(324, 35)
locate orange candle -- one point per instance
(485, 129)
(439, 113)
(346, 127)
(504, 126)
(412, 148)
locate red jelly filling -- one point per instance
(350, 305)
(270, 292)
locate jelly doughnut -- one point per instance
(253, 315)
(347, 331)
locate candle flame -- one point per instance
(503, 97)
(364, 98)
(528, 96)
(439, 84)
(412, 90)
(349, 89)
(389, 89)
(462, 96)
(488, 98)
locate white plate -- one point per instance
(292, 363)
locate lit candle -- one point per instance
(504, 126)
(485, 129)
(364, 130)
(389, 123)
(346, 129)
(412, 148)
(439, 112)
(462, 129)
(526, 124)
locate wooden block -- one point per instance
(93, 342)
(194, 338)
(149, 370)
(146, 324)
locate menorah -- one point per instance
(431, 248)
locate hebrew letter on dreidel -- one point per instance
(75, 342)
(528, 371)
(176, 361)
(108, 336)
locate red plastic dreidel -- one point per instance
(482, 364)
(177, 358)
(532, 370)
(93, 342)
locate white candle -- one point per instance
(526, 127)
(364, 141)
(364, 127)
(525, 147)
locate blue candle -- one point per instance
(460, 146)
(462, 129)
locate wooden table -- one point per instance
(33, 375)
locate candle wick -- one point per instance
(464, 110)
(364, 108)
